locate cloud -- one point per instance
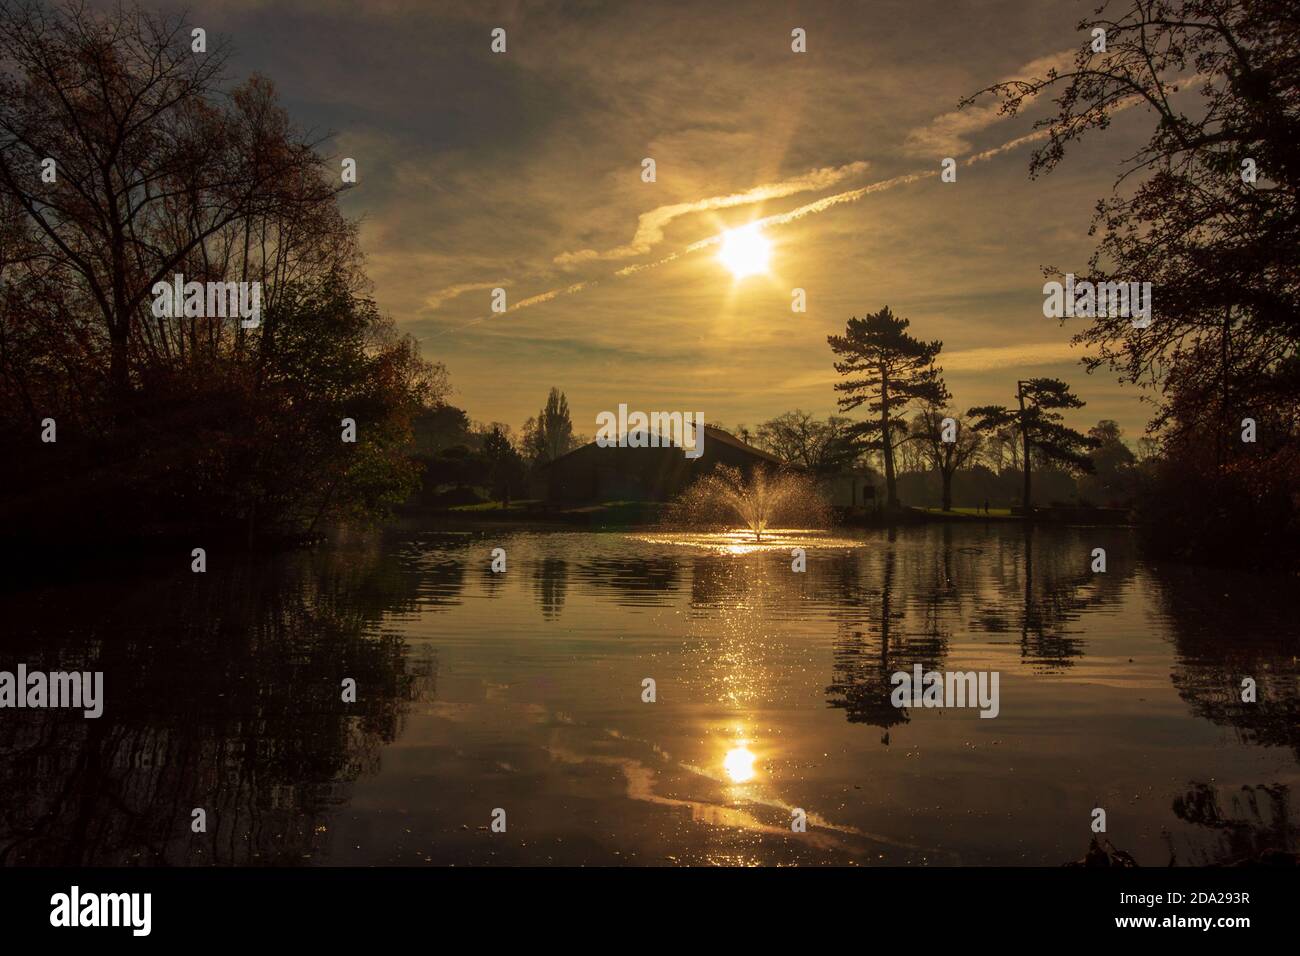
(947, 135)
(990, 358)
(1010, 356)
(779, 219)
(548, 296)
(838, 199)
(436, 299)
(651, 225)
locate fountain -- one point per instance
(759, 500)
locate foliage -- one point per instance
(550, 434)
(166, 425)
(945, 457)
(822, 446)
(1219, 246)
(886, 369)
(1041, 425)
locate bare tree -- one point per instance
(126, 159)
(821, 446)
(947, 443)
(128, 163)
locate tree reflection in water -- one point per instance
(999, 586)
(223, 692)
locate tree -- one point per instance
(1041, 427)
(157, 170)
(909, 456)
(1207, 212)
(1002, 449)
(1218, 244)
(282, 465)
(167, 424)
(1198, 504)
(887, 370)
(504, 465)
(1114, 467)
(439, 428)
(821, 446)
(945, 456)
(550, 434)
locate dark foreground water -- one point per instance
(523, 691)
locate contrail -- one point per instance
(821, 205)
(651, 225)
(809, 209)
(780, 219)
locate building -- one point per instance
(592, 473)
(851, 489)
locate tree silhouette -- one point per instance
(1206, 211)
(505, 466)
(1114, 476)
(152, 163)
(550, 434)
(167, 424)
(887, 370)
(945, 457)
(823, 446)
(1041, 426)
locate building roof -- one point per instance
(711, 433)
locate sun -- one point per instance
(745, 251)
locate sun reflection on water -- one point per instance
(739, 763)
(741, 541)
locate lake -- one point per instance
(523, 692)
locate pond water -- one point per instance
(523, 691)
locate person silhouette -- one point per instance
(986, 506)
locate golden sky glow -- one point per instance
(522, 171)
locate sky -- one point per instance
(523, 170)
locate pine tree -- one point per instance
(1041, 426)
(887, 370)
